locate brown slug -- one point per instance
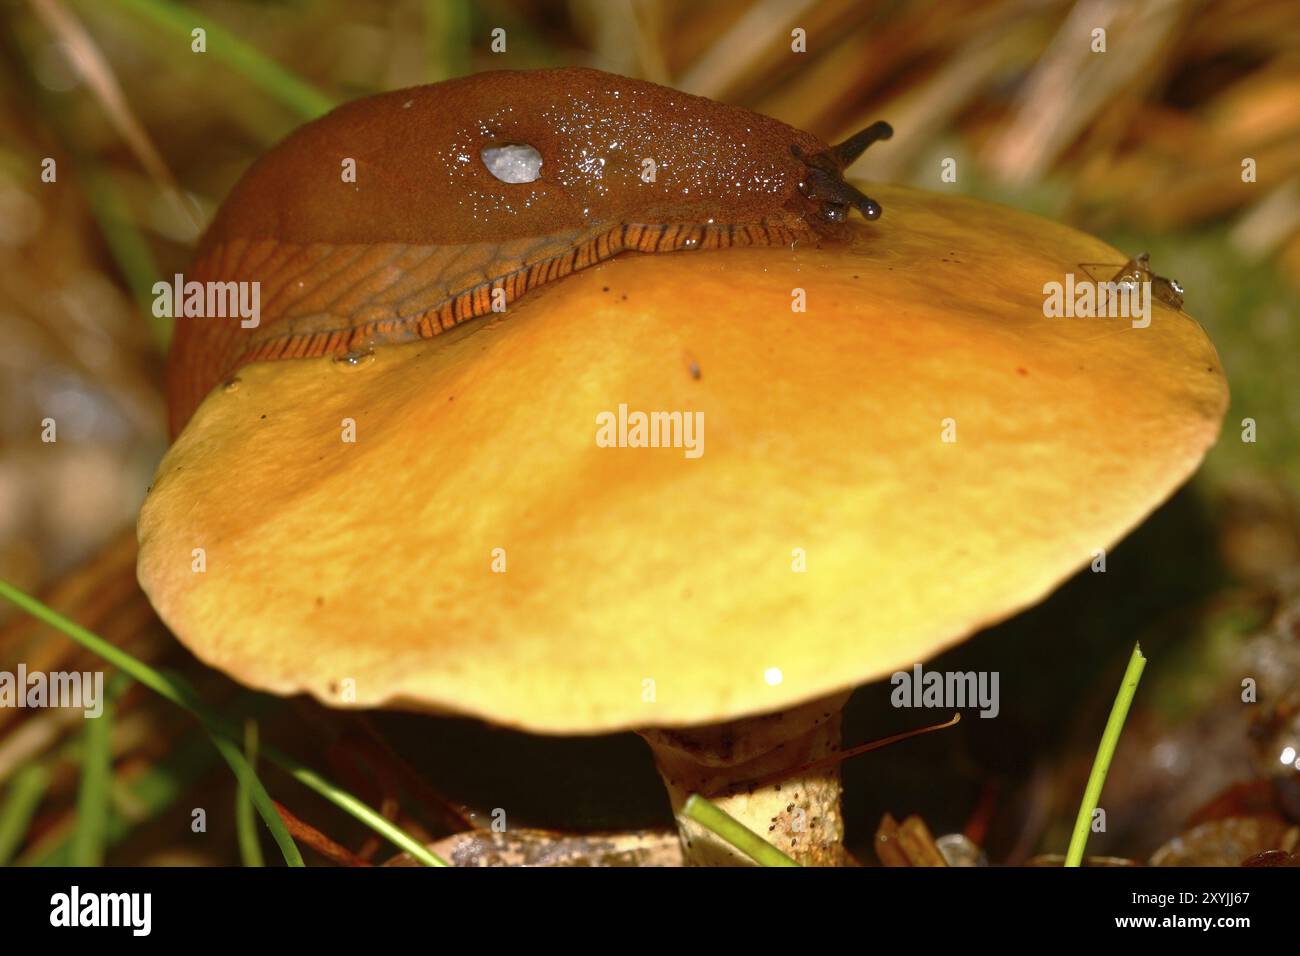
(425, 234)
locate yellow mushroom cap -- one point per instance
(642, 587)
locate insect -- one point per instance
(1134, 272)
(402, 215)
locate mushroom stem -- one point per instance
(751, 768)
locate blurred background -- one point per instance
(1143, 144)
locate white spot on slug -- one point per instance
(513, 163)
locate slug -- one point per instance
(426, 235)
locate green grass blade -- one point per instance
(25, 793)
(224, 46)
(110, 652)
(250, 849)
(89, 838)
(179, 692)
(126, 244)
(712, 817)
(345, 801)
(1101, 764)
(260, 799)
(93, 793)
(303, 774)
(142, 797)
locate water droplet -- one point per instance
(231, 384)
(354, 360)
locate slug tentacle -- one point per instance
(823, 182)
(846, 152)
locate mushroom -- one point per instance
(919, 454)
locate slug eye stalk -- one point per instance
(824, 181)
(846, 152)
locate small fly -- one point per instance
(1136, 271)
